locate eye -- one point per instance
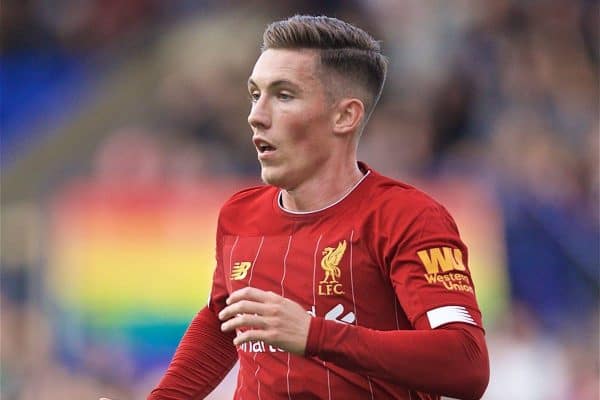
(284, 96)
(254, 95)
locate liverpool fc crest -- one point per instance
(330, 285)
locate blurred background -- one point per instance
(123, 128)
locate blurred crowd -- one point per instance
(503, 93)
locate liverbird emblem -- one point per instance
(330, 262)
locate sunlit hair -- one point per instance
(344, 49)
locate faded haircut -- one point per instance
(344, 49)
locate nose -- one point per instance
(259, 117)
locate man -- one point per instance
(332, 281)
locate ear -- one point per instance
(348, 116)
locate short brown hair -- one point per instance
(345, 49)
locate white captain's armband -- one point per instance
(447, 314)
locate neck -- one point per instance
(324, 189)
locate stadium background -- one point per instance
(124, 127)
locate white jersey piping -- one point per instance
(280, 201)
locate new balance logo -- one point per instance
(240, 270)
(446, 258)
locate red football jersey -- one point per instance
(385, 257)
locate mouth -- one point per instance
(263, 147)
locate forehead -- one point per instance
(297, 66)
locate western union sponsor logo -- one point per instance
(441, 259)
(448, 263)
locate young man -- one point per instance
(332, 281)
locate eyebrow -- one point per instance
(275, 84)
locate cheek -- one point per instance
(308, 132)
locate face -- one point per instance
(291, 118)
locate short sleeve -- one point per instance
(430, 274)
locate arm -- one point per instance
(205, 353)
(201, 361)
(451, 360)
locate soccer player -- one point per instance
(332, 281)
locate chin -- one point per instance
(271, 177)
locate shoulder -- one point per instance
(248, 207)
(250, 198)
(393, 196)
(406, 212)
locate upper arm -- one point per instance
(428, 267)
(218, 292)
